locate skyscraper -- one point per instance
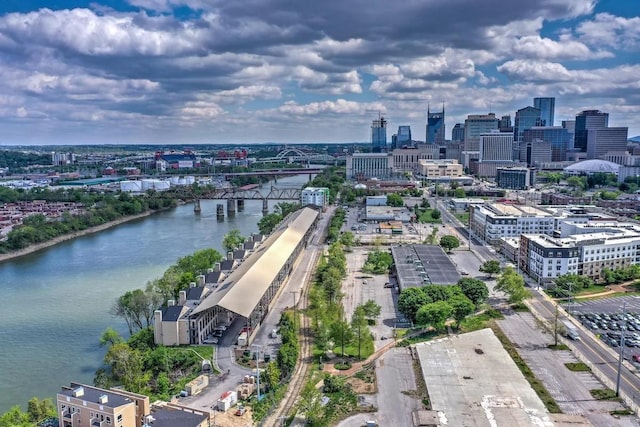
(457, 133)
(379, 135)
(557, 136)
(586, 120)
(477, 124)
(526, 118)
(435, 127)
(403, 137)
(547, 108)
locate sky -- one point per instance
(295, 71)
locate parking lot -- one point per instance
(605, 318)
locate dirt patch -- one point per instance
(362, 387)
(229, 419)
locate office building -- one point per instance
(402, 139)
(495, 146)
(317, 196)
(504, 125)
(570, 126)
(603, 141)
(476, 125)
(379, 135)
(436, 169)
(535, 153)
(361, 166)
(585, 121)
(514, 178)
(526, 118)
(435, 127)
(406, 159)
(557, 136)
(547, 108)
(457, 133)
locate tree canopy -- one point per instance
(449, 242)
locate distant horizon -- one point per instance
(195, 71)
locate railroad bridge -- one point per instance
(236, 196)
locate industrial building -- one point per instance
(248, 290)
(420, 265)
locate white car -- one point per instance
(213, 340)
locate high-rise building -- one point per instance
(586, 120)
(379, 135)
(457, 133)
(559, 138)
(435, 127)
(547, 108)
(403, 137)
(505, 124)
(570, 126)
(526, 118)
(474, 126)
(607, 140)
(495, 146)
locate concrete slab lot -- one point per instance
(472, 381)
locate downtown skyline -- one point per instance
(193, 71)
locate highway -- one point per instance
(603, 360)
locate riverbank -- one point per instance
(40, 246)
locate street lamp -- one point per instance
(257, 369)
(624, 328)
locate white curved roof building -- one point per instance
(589, 167)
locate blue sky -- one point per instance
(213, 71)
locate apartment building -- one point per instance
(81, 405)
(491, 222)
(317, 196)
(545, 257)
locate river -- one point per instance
(55, 303)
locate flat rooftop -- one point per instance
(419, 265)
(473, 382)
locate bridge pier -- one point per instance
(310, 177)
(196, 206)
(240, 205)
(231, 207)
(220, 211)
(265, 207)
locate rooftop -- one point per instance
(419, 265)
(92, 394)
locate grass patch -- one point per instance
(558, 347)
(351, 350)
(342, 366)
(520, 308)
(479, 321)
(577, 367)
(604, 394)
(425, 217)
(424, 336)
(593, 289)
(536, 384)
(463, 217)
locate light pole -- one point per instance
(257, 369)
(295, 311)
(624, 328)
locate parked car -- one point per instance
(388, 285)
(212, 340)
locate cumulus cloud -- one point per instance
(157, 66)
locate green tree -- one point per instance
(371, 310)
(347, 239)
(474, 289)
(360, 328)
(38, 409)
(232, 240)
(511, 283)
(449, 242)
(461, 307)
(578, 183)
(271, 376)
(434, 314)
(267, 223)
(459, 193)
(410, 301)
(126, 366)
(15, 418)
(110, 337)
(490, 267)
(341, 333)
(395, 200)
(310, 404)
(436, 214)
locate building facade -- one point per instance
(317, 196)
(476, 125)
(608, 140)
(406, 159)
(457, 133)
(402, 139)
(514, 178)
(379, 135)
(435, 127)
(495, 146)
(361, 166)
(547, 107)
(526, 118)
(434, 169)
(557, 136)
(492, 222)
(585, 121)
